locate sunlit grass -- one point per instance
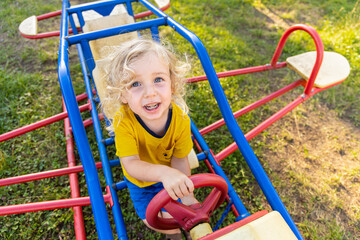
(236, 35)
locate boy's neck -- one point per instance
(158, 126)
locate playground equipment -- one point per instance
(96, 27)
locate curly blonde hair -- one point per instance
(120, 74)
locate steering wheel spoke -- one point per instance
(179, 211)
(211, 202)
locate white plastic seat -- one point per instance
(334, 68)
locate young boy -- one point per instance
(152, 129)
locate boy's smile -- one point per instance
(149, 94)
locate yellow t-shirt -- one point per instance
(132, 138)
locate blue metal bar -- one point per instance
(85, 53)
(81, 20)
(117, 214)
(201, 156)
(129, 8)
(109, 141)
(155, 34)
(94, 5)
(96, 197)
(225, 213)
(116, 30)
(115, 162)
(120, 185)
(218, 170)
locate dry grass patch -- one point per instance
(316, 158)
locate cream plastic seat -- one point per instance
(102, 48)
(334, 68)
(29, 26)
(269, 227)
(162, 3)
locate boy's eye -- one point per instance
(158, 80)
(135, 84)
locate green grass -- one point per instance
(235, 34)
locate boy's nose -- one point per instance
(150, 91)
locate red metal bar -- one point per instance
(239, 72)
(48, 15)
(255, 131)
(82, 96)
(89, 122)
(319, 51)
(48, 205)
(79, 225)
(46, 35)
(39, 124)
(42, 206)
(43, 175)
(252, 106)
(148, 13)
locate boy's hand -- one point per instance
(177, 184)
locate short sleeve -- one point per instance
(125, 140)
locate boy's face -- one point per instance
(149, 95)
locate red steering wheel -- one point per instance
(187, 216)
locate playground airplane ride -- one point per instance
(95, 29)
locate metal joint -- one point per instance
(206, 153)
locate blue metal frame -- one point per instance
(87, 64)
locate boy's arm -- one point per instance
(175, 181)
(182, 164)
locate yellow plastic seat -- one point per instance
(334, 68)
